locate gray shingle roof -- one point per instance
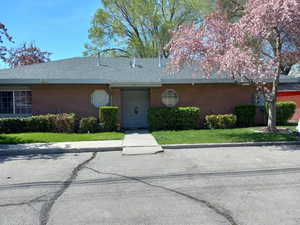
(289, 87)
(114, 71)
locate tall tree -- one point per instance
(27, 54)
(138, 27)
(231, 9)
(224, 47)
(3, 35)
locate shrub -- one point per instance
(36, 124)
(220, 121)
(65, 123)
(88, 125)
(109, 117)
(246, 115)
(175, 118)
(284, 112)
(12, 125)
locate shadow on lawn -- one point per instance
(12, 140)
(260, 137)
(7, 139)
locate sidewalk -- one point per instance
(134, 143)
(140, 142)
(61, 147)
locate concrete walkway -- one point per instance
(61, 147)
(140, 142)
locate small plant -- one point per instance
(65, 123)
(88, 125)
(220, 121)
(246, 115)
(284, 112)
(109, 117)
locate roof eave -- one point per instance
(53, 81)
(135, 84)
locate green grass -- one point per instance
(22, 138)
(220, 136)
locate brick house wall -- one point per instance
(218, 98)
(212, 99)
(65, 99)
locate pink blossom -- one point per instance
(224, 47)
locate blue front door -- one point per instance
(135, 108)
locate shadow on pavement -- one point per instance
(288, 148)
(4, 159)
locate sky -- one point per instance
(58, 26)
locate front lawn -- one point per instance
(22, 138)
(220, 136)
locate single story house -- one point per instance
(81, 85)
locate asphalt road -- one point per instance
(238, 186)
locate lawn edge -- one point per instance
(235, 144)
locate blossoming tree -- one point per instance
(257, 49)
(3, 35)
(27, 54)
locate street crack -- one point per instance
(47, 206)
(222, 212)
(28, 203)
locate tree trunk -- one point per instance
(272, 116)
(273, 95)
(272, 105)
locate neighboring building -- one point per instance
(290, 92)
(81, 85)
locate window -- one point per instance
(23, 104)
(15, 102)
(170, 98)
(259, 100)
(6, 102)
(99, 98)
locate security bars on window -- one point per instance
(15, 102)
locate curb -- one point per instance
(117, 149)
(57, 151)
(238, 144)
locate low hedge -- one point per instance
(175, 118)
(65, 123)
(220, 121)
(43, 123)
(12, 125)
(88, 125)
(246, 115)
(109, 117)
(284, 112)
(61, 123)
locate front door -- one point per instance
(135, 108)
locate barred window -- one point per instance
(6, 102)
(23, 102)
(170, 98)
(15, 102)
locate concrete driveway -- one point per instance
(238, 186)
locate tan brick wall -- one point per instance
(117, 101)
(65, 99)
(212, 99)
(77, 98)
